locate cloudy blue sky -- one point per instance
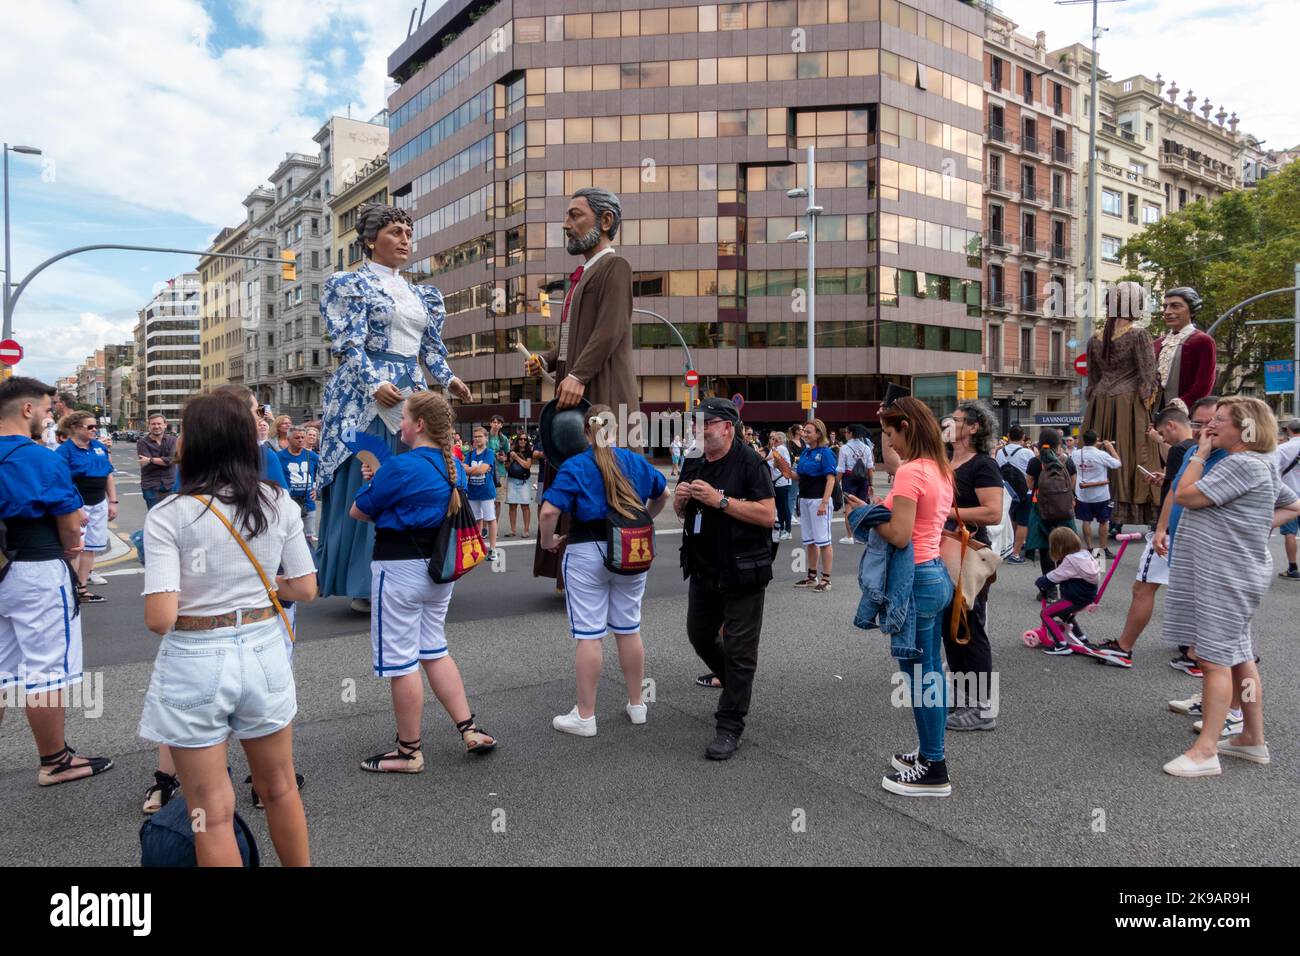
(157, 117)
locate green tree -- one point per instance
(1242, 244)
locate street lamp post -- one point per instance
(30, 151)
(810, 235)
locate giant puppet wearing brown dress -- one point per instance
(593, 357)
(1122, 387)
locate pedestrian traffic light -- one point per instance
(968, 385)
(289, 266)
(545, 300)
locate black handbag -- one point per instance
(517, 471)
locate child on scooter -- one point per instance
(1076, 573)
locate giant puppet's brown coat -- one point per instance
(599, 350)
(599, 355)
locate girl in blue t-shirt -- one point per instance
(92, 473)
(816, 470)
(480, 466)
(589, 486)
(408, 498)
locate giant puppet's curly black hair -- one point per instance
(373, 217)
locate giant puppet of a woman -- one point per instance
(1122, 387)
(382, 327)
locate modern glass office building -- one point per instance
(699, 117)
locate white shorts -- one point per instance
(1152, 568)
(40, 639)
(598, 600)
(291, 612)
(484, 510)
(815, 528)
(208, 685)
(408, 614)
(95, 535)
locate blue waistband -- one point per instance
(391, 357)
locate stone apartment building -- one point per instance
(222, 310)
(1030, 222)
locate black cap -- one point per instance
(723, 408)
(893, 393)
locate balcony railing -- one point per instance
(1029, 304)
(1026, 366)
(997, 239)
(999, 300)
(1029, 193)
(1001, 135)
(1030, 144)
(1058, 109)
(1060, 252)
(1062, 155)
(998, 184)
(1062, 201)
(1029, 246)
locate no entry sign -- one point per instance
(1081, 365)
(11, 353)
(692, 378)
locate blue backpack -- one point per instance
(167, 838)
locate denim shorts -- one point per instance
(1290, 528)
(207, 685)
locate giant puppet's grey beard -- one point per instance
(577, 246)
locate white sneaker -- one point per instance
(794, 520)
(1231, 726)
(776, 535)
(848, 540)
(1186, 706)
(635, 713)
(1185, 766)
(571, 723)
(785, 536)
(1256, 753)
(96, 579)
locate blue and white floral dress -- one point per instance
(382, 326)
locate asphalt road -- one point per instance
(1071, 775)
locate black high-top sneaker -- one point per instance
(926, 778)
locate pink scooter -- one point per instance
(1053, 639)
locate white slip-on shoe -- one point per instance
(636, 713)
(1186, 706)
(1185, 766)
(1255, 753)
(96, 579)
(571, 723)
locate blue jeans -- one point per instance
(154, 495)
(792, 497)
(932, 593)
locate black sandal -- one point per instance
(160, 792)
(55, 767)
(482, 743)
(406, 750)
(257, 801)
(706, 680)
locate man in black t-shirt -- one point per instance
(726, 499)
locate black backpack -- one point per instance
(167, 838)
(1055, 493)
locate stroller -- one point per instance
(1053, 639)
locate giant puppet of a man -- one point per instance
(593, 359)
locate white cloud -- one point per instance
(61, 348)
(140, 107)
(1239, 54)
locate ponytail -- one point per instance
(435, 412)
(619, 493)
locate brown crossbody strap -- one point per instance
(266, 582)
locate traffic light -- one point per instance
(968, 385)
(289, 266)
(545, 300)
